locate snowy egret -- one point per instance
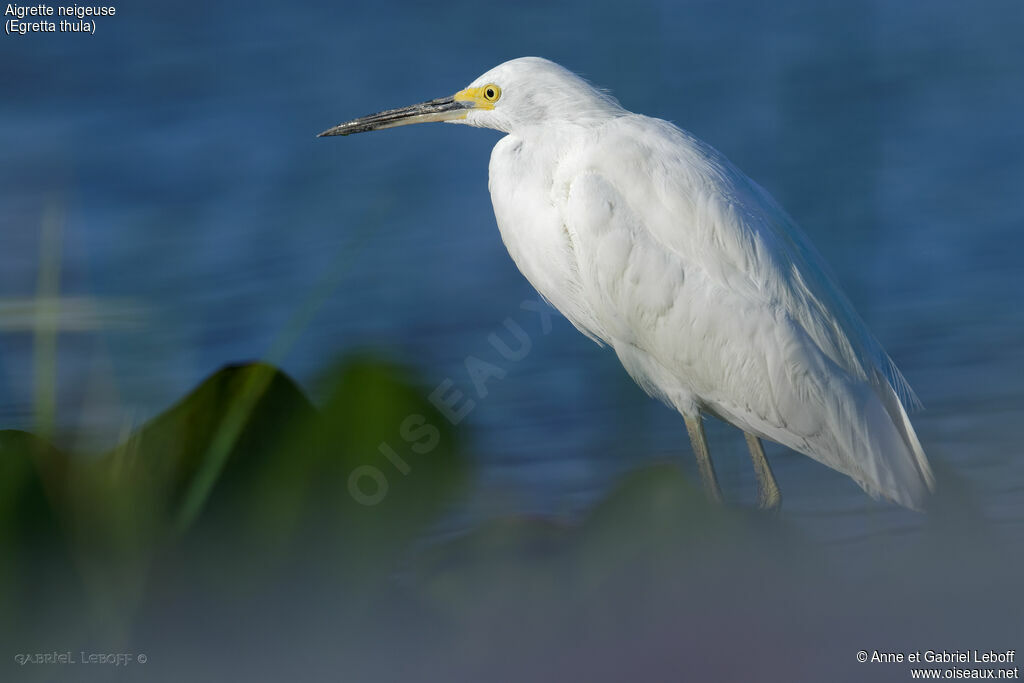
(652, 242)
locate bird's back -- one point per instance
(651, 241)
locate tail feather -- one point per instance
(893, 463)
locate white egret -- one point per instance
(652, 242)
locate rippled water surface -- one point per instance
(194, 220)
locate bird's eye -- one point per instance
(492, 93)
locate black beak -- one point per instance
(442, 109)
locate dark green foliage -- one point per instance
(26, 516)
(30, 534)
(241, 482)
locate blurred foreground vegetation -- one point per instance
(246, 533)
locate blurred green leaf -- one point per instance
(34, 563)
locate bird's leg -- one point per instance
(695, 428)
(768, 495)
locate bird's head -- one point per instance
(524, 92)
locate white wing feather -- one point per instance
(715, 300)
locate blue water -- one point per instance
(201, 219)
